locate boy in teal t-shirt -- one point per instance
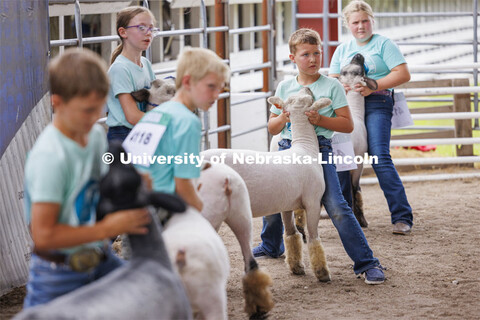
(62, 175)
(171, 133)
(305, 52)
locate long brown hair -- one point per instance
(123, 19)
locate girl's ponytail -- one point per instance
(116, 52)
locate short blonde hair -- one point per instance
(356, 6)
(198, 62)
(301, 36)
(77, 73)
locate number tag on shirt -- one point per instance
(144, 138)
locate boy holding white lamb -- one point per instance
(305, 52)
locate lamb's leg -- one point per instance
(357, 196)
(293, 244)
(316, 252)
(256, 282)
(300, 223)
(211, 303)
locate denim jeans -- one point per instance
(118, 133)
(340, 213)
(49, 280)
(346, 185)
(378, 120)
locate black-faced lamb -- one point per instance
(350, 75)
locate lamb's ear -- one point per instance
(141, 95)
(277, 102)
(321, 103)
(157, 83)
(371, 84)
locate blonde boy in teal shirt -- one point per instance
(201, 76)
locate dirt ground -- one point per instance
(432, 273)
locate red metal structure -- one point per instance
(316, 6)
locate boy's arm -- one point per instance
(343, 122)
(129, 107)
(276, 123)
(185, 189)
(47, 234)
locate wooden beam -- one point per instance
(463, 128)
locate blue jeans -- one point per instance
(346, 186)
(340, 213)
(49, 280)
(118, 133)
(378, 120)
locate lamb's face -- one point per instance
(352, 74)
(161, 91)
(299, 102)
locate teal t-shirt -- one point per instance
(59, 170)
(381, 55)
(126, 77)
(182, 138)
(324, 87)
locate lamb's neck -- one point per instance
(150, 245)
(356, 102)
(303, 133)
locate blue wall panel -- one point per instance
(24, 45)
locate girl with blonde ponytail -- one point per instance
(385, 63)
(129, 70)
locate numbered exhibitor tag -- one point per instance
(401, 115)
(342, 147)
(144, 138)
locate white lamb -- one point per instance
(282, 187)
(160, 91)
(225, 198)
(201, 260)
(216, 192)
(350, 75)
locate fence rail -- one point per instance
(267, 66)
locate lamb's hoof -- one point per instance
(323, 275)
(302, 231)
(361, 219)
(358, 209)
(259, 316)
(298, 269)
